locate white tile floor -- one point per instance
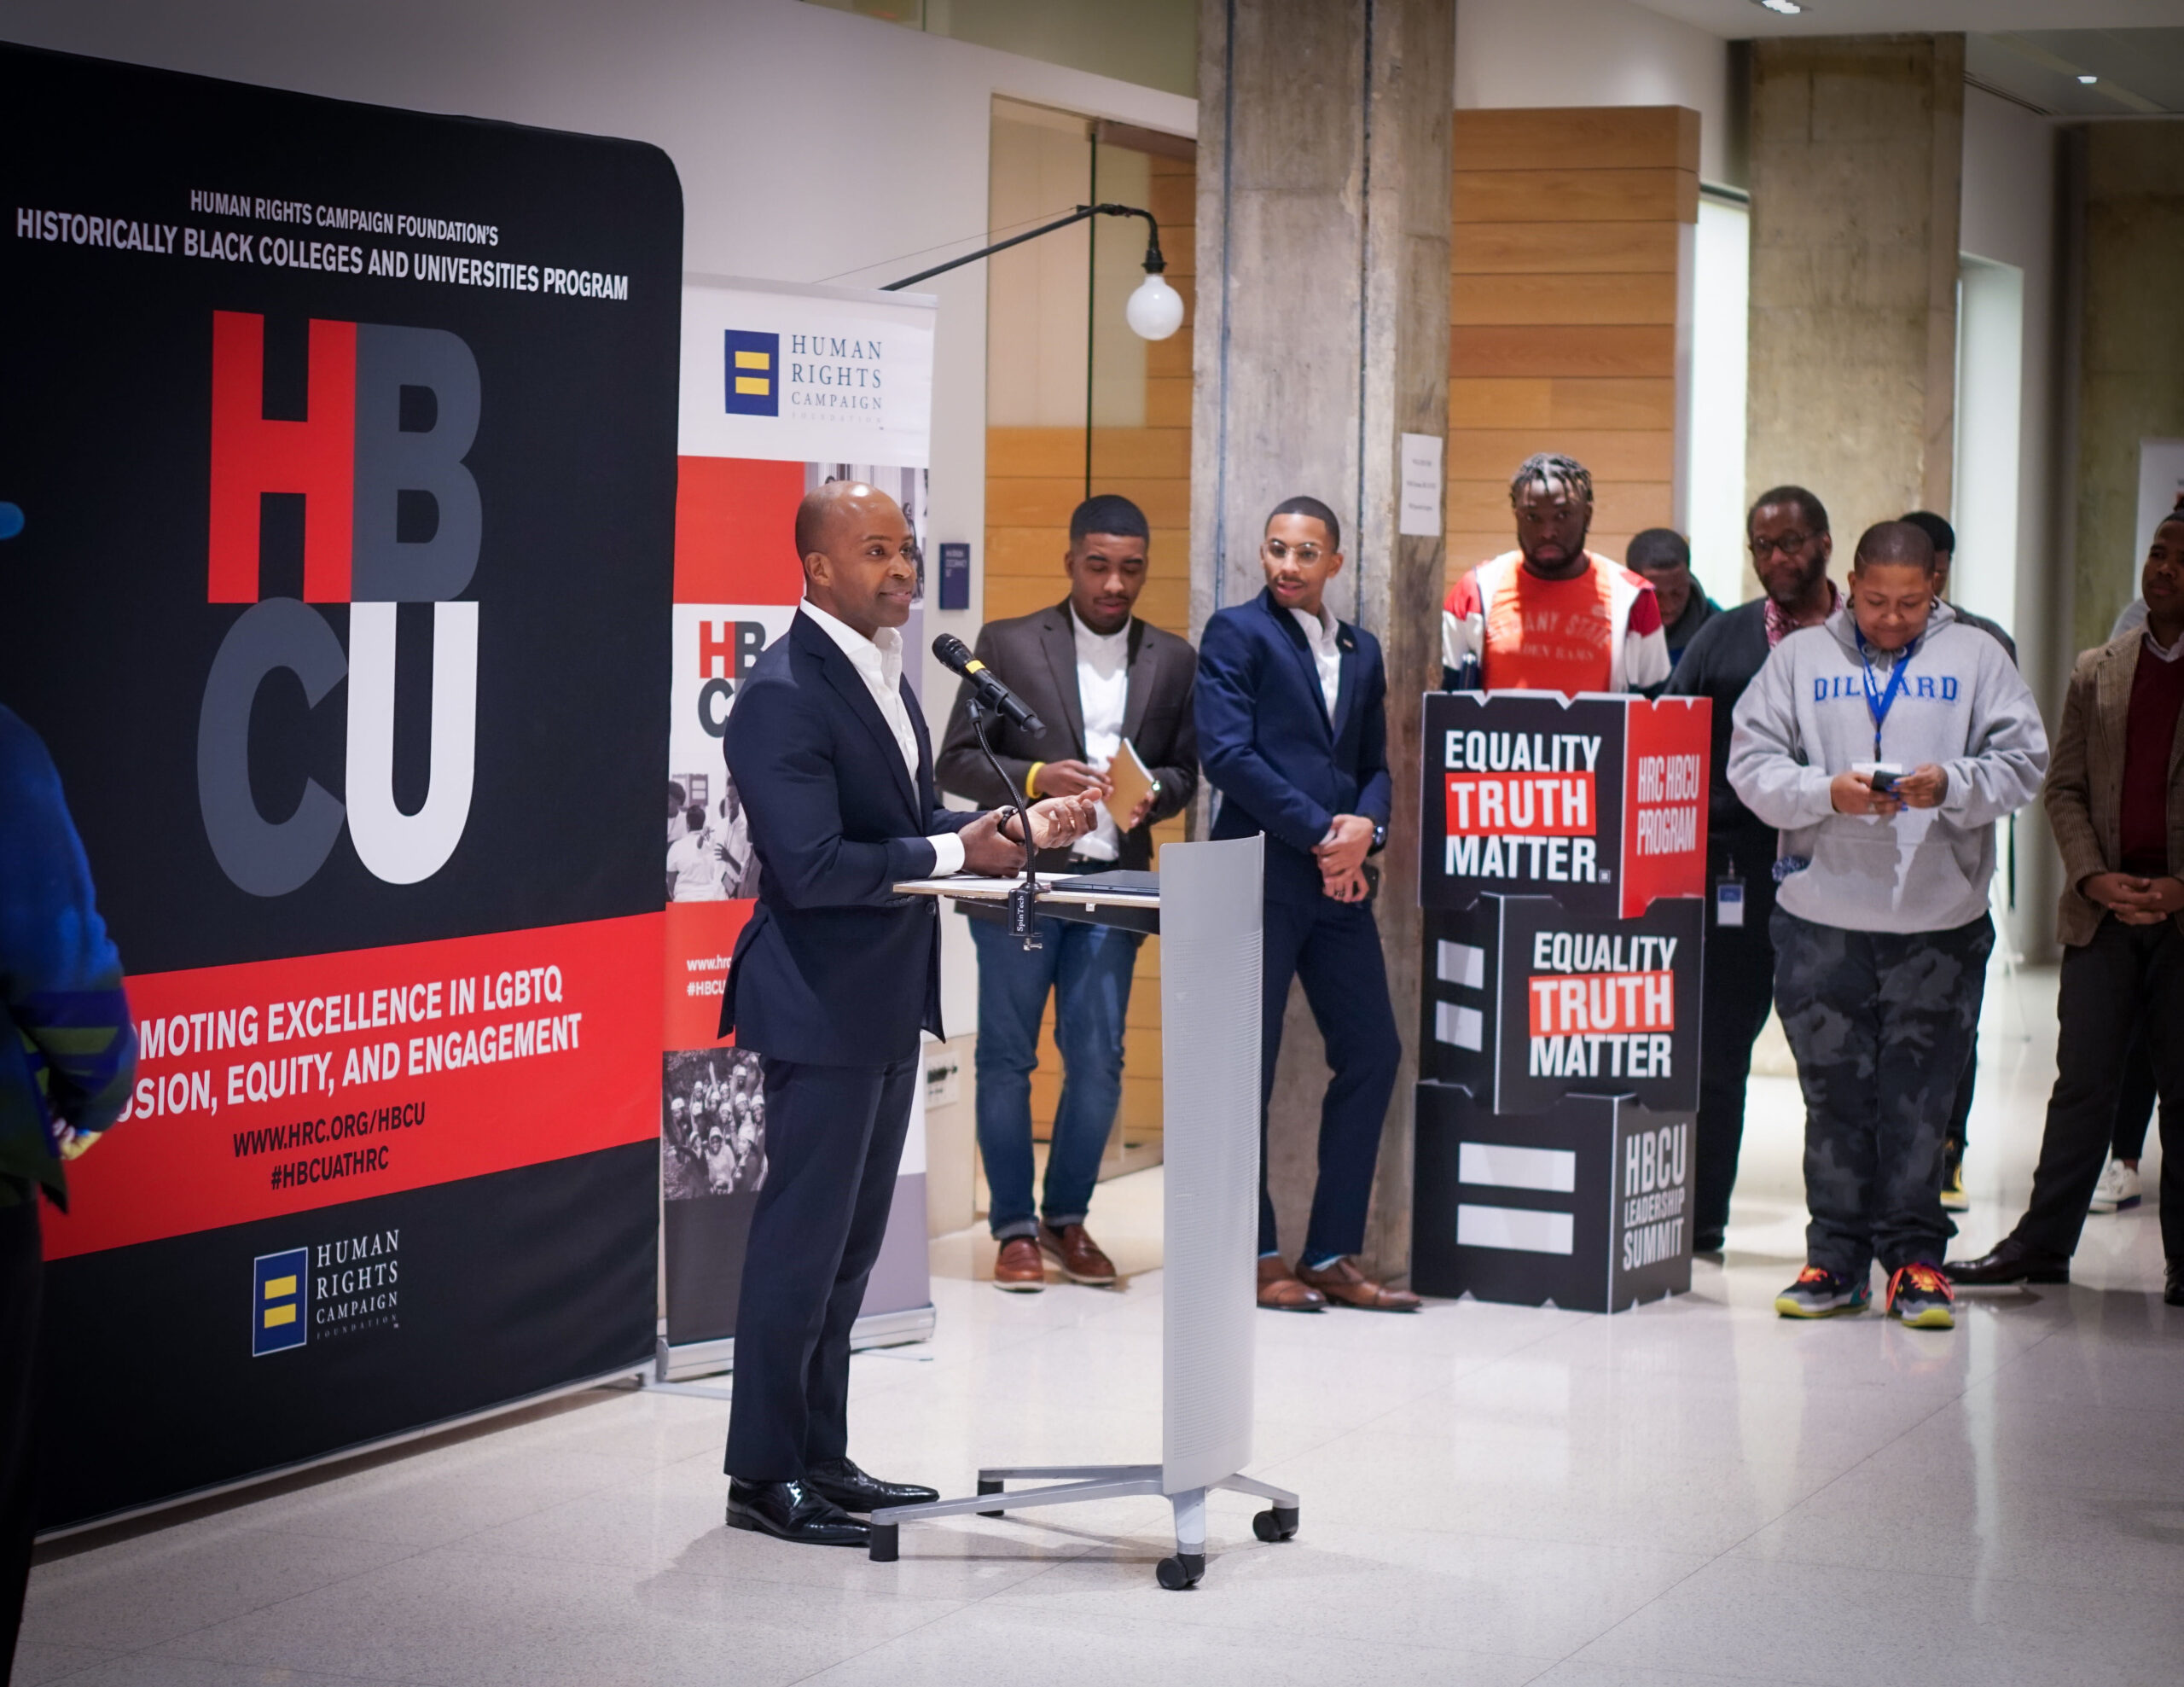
(1697, 1491)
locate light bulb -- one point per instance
(1155, 310)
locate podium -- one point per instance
(1209, 913)
(1563, 876)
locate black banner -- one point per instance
(1600, 802)
(1526, 1001)
(344, 439)
(416, 1308)
(1585, 1203)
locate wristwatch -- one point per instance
(1379, 840)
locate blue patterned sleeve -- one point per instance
(74, 1050)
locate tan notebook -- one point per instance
(1131, 781)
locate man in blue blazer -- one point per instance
(832, 980)
(1293, 729)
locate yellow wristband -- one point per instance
(1031, 779)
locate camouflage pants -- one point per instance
(1881, 1023)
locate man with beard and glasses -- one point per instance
(1787, 532)
(2115, 803)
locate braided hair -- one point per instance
(1547, 470)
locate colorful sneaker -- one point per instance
(2118, 1191)
(1818, 1292)
(1921, 1295)
(1953, 1198)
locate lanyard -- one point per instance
(1879, 707)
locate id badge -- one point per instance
(1728, 901)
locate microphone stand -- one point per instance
(1023, 914)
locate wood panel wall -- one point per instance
(1035, 477)
(1568, 255)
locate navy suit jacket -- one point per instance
(1281, 766)
(832, 967)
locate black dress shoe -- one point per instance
(2172, 1289)
(849, 1488)
(792, 1511)
(2009, 1261)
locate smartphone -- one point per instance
(1884, 780)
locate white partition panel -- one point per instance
(1211, 934)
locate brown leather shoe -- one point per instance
(1343, 1282)
(1019, 1270)
(1278, 1292)
(1077, 1255)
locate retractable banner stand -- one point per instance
(1562, 865)
(344, 439)
(783, 389)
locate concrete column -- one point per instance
(1322, 336)
(2127, 182)
(1858, 164)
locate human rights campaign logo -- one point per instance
(754, 367)
(277, 1298)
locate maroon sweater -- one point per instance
(2149, 731)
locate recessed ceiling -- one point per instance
(2135, 71)
(2037, 52)
(1735, 19)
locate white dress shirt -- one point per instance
(1102, 694)
(1320, 632)
(879, 662)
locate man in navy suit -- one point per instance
(1293, 729)
(832, 980)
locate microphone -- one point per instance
(955, 657)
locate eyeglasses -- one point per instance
(1306, 555)
(1788, 544)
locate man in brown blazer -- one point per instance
(1095, 675)
(2116, 799)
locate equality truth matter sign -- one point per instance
(1598, 801)
(344, 443)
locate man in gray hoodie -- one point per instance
(1883, 745)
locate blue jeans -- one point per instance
(1088, 969)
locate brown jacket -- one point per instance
(1035, 655)
(2085, 782)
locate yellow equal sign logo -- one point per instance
(753, 373)
(277, 1301)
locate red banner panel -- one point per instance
(274, 1087)
(736, 531)
(701, 939)
(1664, 754)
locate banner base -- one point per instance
(364, 1449)
(873, 1329)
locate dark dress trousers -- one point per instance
(1035, 656)
(1722, 660)
(1284, 768)
(833, 978)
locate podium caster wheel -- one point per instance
(1181, 1571)
(1277, 1523)
(990, 1485)
(886, 1543)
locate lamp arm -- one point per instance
(1154, 263)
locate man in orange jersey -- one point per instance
(1550, 615)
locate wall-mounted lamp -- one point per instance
(1155, 312)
